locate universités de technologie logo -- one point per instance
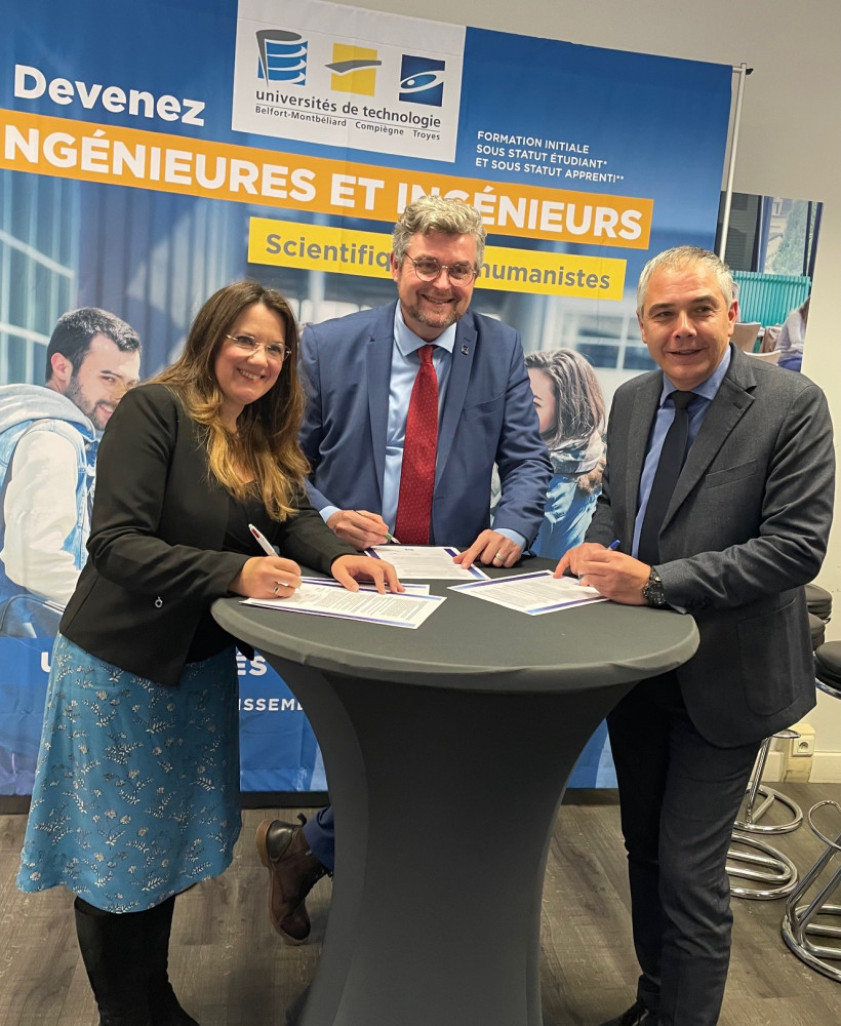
(339, 91)
(283, 58)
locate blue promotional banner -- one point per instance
(150, 154)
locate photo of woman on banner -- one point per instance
(137, 789)
(571, 414)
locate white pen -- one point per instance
(262, 540)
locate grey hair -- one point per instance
(681, 257)
(436, 214)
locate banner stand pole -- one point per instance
(742, 71)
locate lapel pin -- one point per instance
(465, 350)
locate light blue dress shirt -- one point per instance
(704, 395)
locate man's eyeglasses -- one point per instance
(428, 269)
(276, 352)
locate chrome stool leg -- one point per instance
(750, 858)
(753, 811)
(799, 923)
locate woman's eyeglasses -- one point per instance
(275, 351)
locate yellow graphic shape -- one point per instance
(318, 248)
(345, 251)
(361, 80)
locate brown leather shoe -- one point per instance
(293, 870)
(294, 928)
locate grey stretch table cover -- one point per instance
(447, 751)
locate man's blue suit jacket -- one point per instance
(488, 417)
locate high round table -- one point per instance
(447, 750)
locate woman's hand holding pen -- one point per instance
(360, 528)
(267, 577)
(280, 576)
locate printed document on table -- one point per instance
(426, 562)
(329, 582)
(534, 593)
(323, 598)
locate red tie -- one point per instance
(417, 476)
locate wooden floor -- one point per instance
(230, 969)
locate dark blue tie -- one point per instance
(668, 470)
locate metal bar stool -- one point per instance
(749, 858)
(752, 859)
(753, 813)
(802, 922)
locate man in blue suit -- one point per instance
(361, 370)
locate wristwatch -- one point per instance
(653, 591)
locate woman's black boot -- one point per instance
(163, 1004)
(114, 950)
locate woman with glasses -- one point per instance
(136, 796)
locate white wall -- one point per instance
(789, 143)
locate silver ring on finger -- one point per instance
(499, 556)
(276, 587)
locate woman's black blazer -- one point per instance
(158, 523)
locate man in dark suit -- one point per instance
(744, 528)
(362, 371)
